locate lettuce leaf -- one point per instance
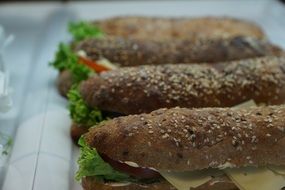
(66, 59)
(80, 112)
(6, 142)
(91, 164)
(82, 30)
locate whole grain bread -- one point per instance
(134, 52)
(77, 130)
(218, 183)
(168, 28)
(143, 89)
(181, 139)
(64, 82)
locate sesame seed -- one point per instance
(253, 139)
(239, 148)
(188, 162)
(165, 136)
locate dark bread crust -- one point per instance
(219, 183)
(64, 82)
(143, 89)
(77, 130)
(181, 139)
(161, 29)
(134, 52)
(169, 28)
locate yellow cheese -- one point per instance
(185, 180)
(106, 63)
(255, 178)
(278, 170)
(246, 104)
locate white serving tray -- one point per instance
(43, 156)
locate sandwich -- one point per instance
(162, 28)
(94, 49)
(215, 148)
(135, 90)
(96, 55)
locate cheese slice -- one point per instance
(107, 63)
(246, 104)
(280, 170)
(187, 180)
(256, 178)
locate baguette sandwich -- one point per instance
(134, 90)
(104, 51)
(96, 55)
(160, 28)
(234, 148)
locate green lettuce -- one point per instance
(91, 164)
(82, 30)
(80, 112)
(66, 59)
(6, 142)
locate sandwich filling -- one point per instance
(80, 112)
(93, 164)
(83, 30)
(67, 59)
(83, 114)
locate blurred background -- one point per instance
(7, 1)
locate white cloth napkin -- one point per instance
(42, 155)
(5, 99)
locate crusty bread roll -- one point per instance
(64, 82)
(77, 130)
(173, 40)
(134, 52)
(218, 183)
(143, 89)
(181, 139)
(169, 28)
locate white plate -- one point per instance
(43, 156)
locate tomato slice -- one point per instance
(92, 64)
(138, 172)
